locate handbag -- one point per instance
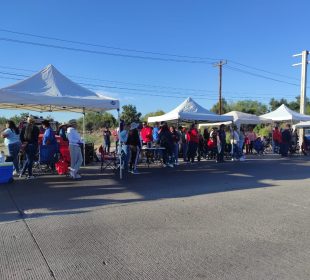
(62, 167)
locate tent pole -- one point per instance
(120, 145)
(84, 156)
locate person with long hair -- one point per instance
(12, 141)
(29, 137)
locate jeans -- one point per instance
(13, 152)
(31, 150)
(76, 157)
(184, 151)
(176, 152)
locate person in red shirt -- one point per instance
(277, 139)
(146, 135)
(193, 141)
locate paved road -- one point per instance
(238, 220)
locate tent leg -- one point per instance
(84, 156)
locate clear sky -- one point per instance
(261, 34)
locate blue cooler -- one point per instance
(6, 172)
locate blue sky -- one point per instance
(262, 34)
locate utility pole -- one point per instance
(220, 65)
(303, 86)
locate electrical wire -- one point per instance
(105, 46)
(258, 75)
(103, 53)
(262, 70)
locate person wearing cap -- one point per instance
(134, 143)
(49, 141)
(75, 150)
(29, 136)
(62, 131)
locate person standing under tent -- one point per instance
(241, 140)
(29, 137)
(193, 141)
(107, 140)
(146, 135)
(134, 143)
(49, 140)
(166, 141)
(286, 141)
(75, 150)
(12, 141)
(251, 136)
(234, 140)
(176, 139)
(276, 139)
(184, 143)
(221, 143)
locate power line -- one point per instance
(258, 75)
(103, 53)
(105, 46)
(145, 91)
(262, 70)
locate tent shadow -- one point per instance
(58, 195)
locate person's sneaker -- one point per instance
(164, 165)
(20, 175)
(135, 172)
(15, 173)
(242, 159)
(72, 174)
(170, 165)
(30, 177)
(78, 176)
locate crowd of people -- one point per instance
(169, 143)
(25, 141)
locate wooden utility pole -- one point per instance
(220, 65)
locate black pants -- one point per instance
(192, 150)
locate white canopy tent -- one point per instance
(189, 110)
(283, 113)
(303, 125)
(240, 118)
(49, 90)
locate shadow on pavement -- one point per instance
(59, 195)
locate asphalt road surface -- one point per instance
(237, 220)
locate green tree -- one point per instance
(130, 114)
(225, 107)
(152, 114)
(94, 121)
(274, 104)
(249, 106)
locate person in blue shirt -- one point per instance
(50, 143)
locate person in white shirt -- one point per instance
(75, 150)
